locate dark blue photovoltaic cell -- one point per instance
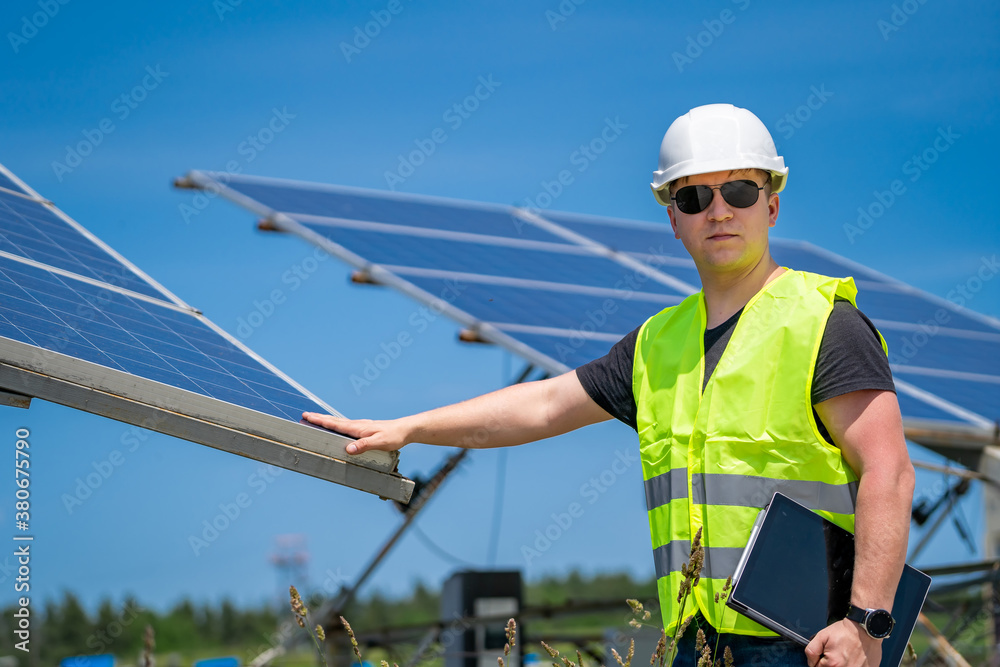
(795, 256)
(30, 229)
(394, 211)
(983, 398)
(944, 352)
(545, 308)
(915, 309)
(154, 342)
(652, 239)
(914, 408)
(571, 352)
(688, 274)
(485, 259)
(9, 184)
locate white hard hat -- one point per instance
(716, 137)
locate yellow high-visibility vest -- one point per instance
(712, 460)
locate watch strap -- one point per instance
(856, 614)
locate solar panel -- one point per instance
(81, 326)
(562, 288)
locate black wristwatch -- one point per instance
(876, 622)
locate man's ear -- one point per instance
(673, 220)
(773, 205)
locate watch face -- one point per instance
(879, 623)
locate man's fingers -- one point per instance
(814, 650)
(319, 419)
(338, 424)
(357, 446)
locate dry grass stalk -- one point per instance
(148, 644)
(354, 640)
(721, 597)
(301, 614)
(661, 650)
(511, 632)
(554, 653)
(692, 575)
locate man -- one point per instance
(766, 379)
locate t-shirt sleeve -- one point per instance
(608, 380)
(850, 356)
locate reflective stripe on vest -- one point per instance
(748, 491)
(712, 459)
(718, 560)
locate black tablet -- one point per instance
(795, 578)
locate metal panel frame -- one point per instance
(55, 377)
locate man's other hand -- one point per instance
(844, 644)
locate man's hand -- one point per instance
(386, 436)
(844, 644)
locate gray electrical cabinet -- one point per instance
(475, 608)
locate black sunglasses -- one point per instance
(695, 198)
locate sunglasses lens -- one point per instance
(740, 194)
(693, 198)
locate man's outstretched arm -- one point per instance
(867, 427)
(510, 416)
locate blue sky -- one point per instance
(858, 95)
